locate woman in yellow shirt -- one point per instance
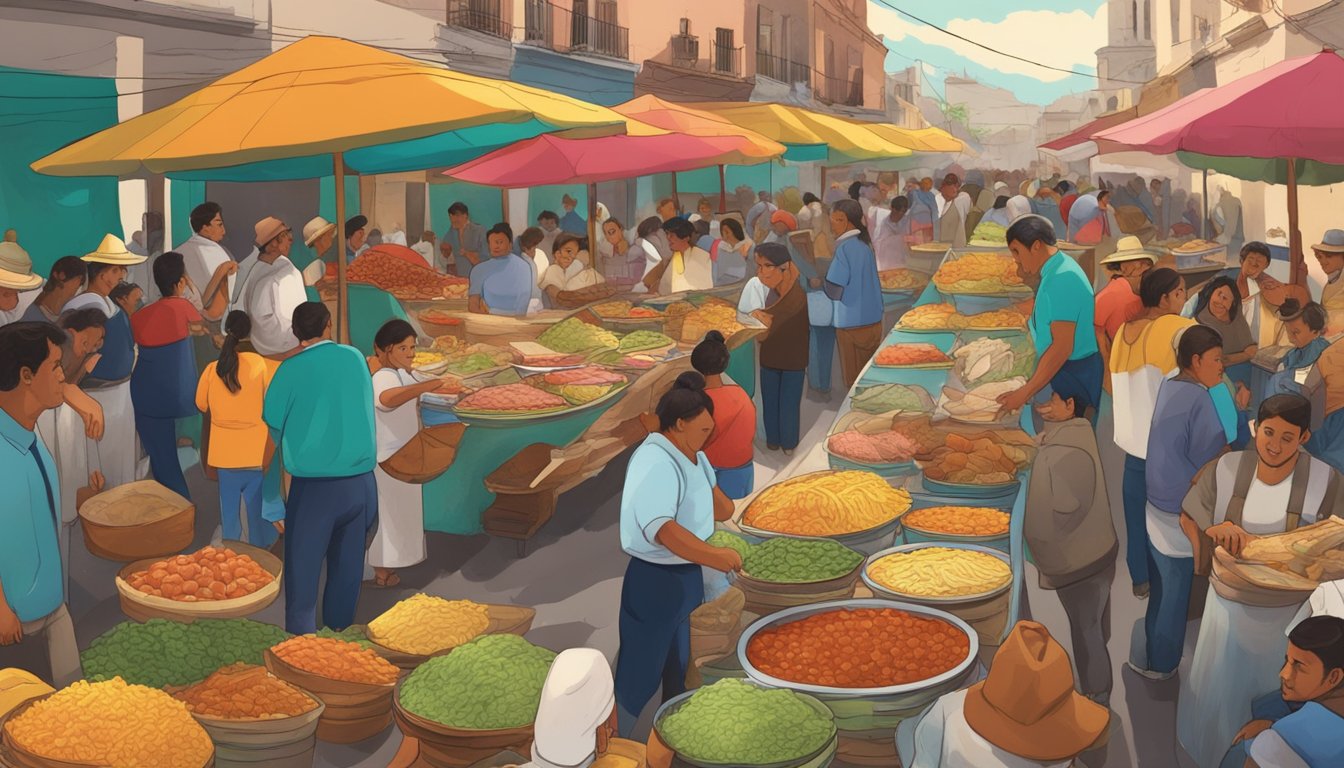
(237, 444)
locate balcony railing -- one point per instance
(559, 29)
(484, 16)
(781, 69)
(726, 60)
(837, 90)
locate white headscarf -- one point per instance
(578, 697)
(1018, 206)
(602, 214)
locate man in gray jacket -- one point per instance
(1070, 533)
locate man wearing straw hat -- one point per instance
(1118, 302)
(1330, 253)
(270, 290)
(116, 455)
(17, 282)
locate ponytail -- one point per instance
(237, 326)
(854, 214)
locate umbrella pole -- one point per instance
(592, 226)
(504, 204)
(676, 198)
(1296, 258)
(723, 190)
(1204, 223)
(342, 289)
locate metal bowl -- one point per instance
(801, 612)
(878, 589)
(813, 759)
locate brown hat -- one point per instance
(1028, 706)
(268, 229)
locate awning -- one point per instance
(1078, 145)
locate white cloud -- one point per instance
(1065, 40)
(929, 69)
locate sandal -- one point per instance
(386, 581)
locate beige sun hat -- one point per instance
(113, 251)
(16, 268)
(1129, 248)
(316, 228)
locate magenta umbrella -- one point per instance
(1281, 125)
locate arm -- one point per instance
(1056, 355)
(688, 546)
(395, 397)
(655, 275)
(477, 304)
(723, 506)
(88, 409)
(11, 629)
(213, 301)
(1104, 345)
(1242, 356)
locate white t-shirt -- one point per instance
(754, 294)
(272, 293)
(202, 256)
(577, 276)
(661, 486)
(943, 739)
(541, 261)
(394, 427)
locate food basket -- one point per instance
(866, 541)
(353, 711)
(141, 607)
(168, 535)
(442, 746)
(504, 620)
(926, 257)
(287, 742)
(968, 490)
(867, 709)
(14, 756)
(817, 759)
(985, 612)
(765, 597)
(914, 535)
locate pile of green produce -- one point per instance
(573, 335)
(735, 723)
(352, 634)
(641, 341)
(799, 561)
(731, 541)
(990, 232)
(473, 363)
(490, 683)
(884, 398)
(161, 652)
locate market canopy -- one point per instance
(808, 135)
(285, 116)
(1078, 144)
(915, 139)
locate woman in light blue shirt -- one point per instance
(853, 283)
(668, 509)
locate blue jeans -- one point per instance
(781, 397)
(1168, 607)
(1134, 488)
(655, 632)
(326, 519)
(159, 437)
(736, 482)
(820, 354)
(239, 488)
(272, 500)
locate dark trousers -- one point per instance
(1168, 609)
(1134, 490)
(326, 519)
(655, 631)
(159, 437)
(782, 397)
(1087, 603)
(820, 356)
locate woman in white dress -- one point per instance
(400, 541)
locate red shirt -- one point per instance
(164, 322)
(1116, 305)
(734, 427)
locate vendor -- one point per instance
(568, 273)
(1062, 321)
(668, 509)
(1270, 489)
(732, 253)
(461, 246)
(1219, 307)
(783, 348)
(781, 224)
(1305, 328)
(730, 449)
(954, 206)
(689, 268)
(1119, 302)
(852, 283)
(503, 284)
(1330, 253)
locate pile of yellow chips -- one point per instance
(425, 625)
(827, 504)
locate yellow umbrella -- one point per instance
(805, 132)
(916, 139)
(321, 106)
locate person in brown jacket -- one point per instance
(1069, 531)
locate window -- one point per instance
(723, 50)
(1175, 21)
(684, 27)
(1134, 15)
(579, 25)
(785, 35)
(1147, 19)
(765, 31)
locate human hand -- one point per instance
(815, 282)
(1251, 730)
(226, 269)
(279, 526)
(725, 560)
(1230, 537)
(1243, 397)
(1013, 401)
(11, 629)
(93, 421)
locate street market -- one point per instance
(558, 429)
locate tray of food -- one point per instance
(542, 395)
(979, 405)
(902, 281)
(912, 356)
(853, 507)
(980, 274)
(938, 572)
(862, 441)
(977, 464)
(945, 318)
(884, 398)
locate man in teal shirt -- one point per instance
(32, 588)
(319, 408)
(1061, 317)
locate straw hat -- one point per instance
(315, 229)
(268, 229)
(113, 251)
(16, 269)
(1129, 248)
(1333, 242)
(1028, 706)
(18, 281)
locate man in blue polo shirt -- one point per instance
(32, 591)
(1061, 318)
(319, 408)
(504, 284)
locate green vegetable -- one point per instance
(639, 341)
(473, 363)
(574, 335)
(735, 723)
(990, 232)
(797, 561)
(161, 652)
(731, 541)
(892, 397)
(489, 683)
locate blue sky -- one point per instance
(1062, 33)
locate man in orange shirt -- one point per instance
(1118, 302)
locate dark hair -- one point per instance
(775, 253)
(1292, 408)
(25, 345)
(169, 269)
(1323, 637)
(121, 291)
(853, 213)
(614, 220)
(901, 203)
(710, 356)
(203, 214)
(392, 333)
(1103, 194)
(679, 227)
(648, 226)
(1070, 388)
(1030, 230)
(684, 401)
(734, 226)
(950, 178)
(354, 224)
(1206, 295)
(563, 239)
(461, 207)
(96, 268)
(701, 228)
(83, 319)
(1157, 283)
(855, 189)
(1000, 202)
(1063, 187)
(310, 320)
(237, 326)
(1313, 314)
(543, 216)
(809, 198)
(703, 201)
(1255, 246)
(531, 238)
(669, 201)
(501, 229)
(65, 269)
(1196, 340)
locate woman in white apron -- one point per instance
(400, 541)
